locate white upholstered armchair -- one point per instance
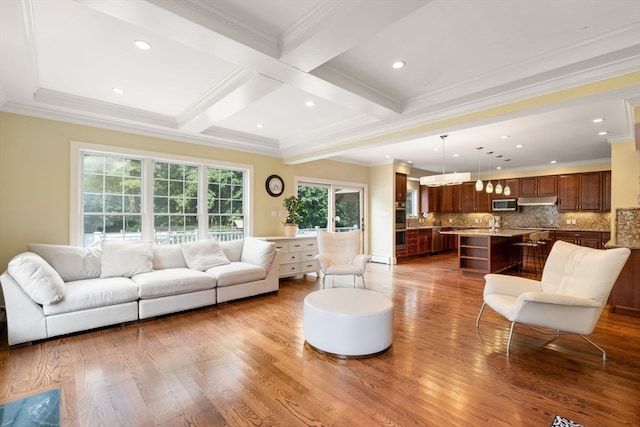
(569, 298)
(341, 254)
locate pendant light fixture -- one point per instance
(445, 178)
(479, 183)
(507, 189)
(499, 188)
(489, 187)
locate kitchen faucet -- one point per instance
(492, 221)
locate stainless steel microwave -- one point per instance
(504, 205)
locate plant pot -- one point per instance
(290, 230)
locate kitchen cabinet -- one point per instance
(625, 296)
(472, 200)
(539, 186)
(401, 187)
(580, 192)
(606, 191)
(449, 242)
(430, 198)
(450, 199)
(418, 242)
(591, 239)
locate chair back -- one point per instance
(584, 272)
(340, 248)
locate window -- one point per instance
(138, 196)
(412, 202)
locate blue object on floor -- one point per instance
(42, 409)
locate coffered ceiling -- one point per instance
(238, 74)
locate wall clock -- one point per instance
(274, 185)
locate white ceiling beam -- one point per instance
(244, 93)
(332, 28)
(187, 26)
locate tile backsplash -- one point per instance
(627, 225)
(526, 216)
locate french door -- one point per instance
(332, 207)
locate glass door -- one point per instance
(347, 209)
(331, 207)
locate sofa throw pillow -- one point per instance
(258, 252)
(71, 262)
(233, 249)
(125, 258)
(203, 254)
(168, 256)
(37, 278)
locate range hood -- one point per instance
(537, 201)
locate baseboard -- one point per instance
(380, 259)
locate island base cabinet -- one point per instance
(625, 296)
(486, 254)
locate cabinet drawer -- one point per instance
(296, 246)
(292, 268)
(308, 255)
(283, 246)
(309, 266)
(290, 257)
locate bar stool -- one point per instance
(529, 248)
(543, 243)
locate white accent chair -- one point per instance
(341, 254)
(575, 285)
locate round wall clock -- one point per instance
(274, 185)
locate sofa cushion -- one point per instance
(233, 249)
(237, 272)
(92, 293)
(125, 258)
(258, 252)
(37, 278)
(172, 281)
(71, 262)
(168, 256)
(203, 254)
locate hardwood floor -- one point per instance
(245, 363)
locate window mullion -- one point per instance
(147, 200)
(203, 211)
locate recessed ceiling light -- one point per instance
(117, 90)
(309, 103)
(398, 64)
(387, 156)
(143, 45)
(599, 120)
(260, 125)
(498, 167)
(604, 132)
(505, 137)
(553, 162)
(456, 155)
(436, 149)
(519, 146)
(409, 161)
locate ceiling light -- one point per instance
(499, 167)
(398, 64)
(599, 120)
(479, 183)
(519, 146)
(142, 45)
(505, 137)
(553, 162)
(456, 155)
(260, 125)
(445, 178)
(604, 132)
(309, 103)
(117, 90)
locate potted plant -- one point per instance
(295, 208)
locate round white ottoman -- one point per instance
(348, 322)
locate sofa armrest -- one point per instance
(25, 319)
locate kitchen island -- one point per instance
(484, 250)
(625, 296)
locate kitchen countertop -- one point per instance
(468, 227)
(498, 232)
(630, 243)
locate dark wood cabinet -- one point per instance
(625, 296)
(580, 192)
(472, 200)
(591, 239)
(418, 242)
(401, 187)
(450, 199)
(539, 185)
(430, 199)
(606, 191)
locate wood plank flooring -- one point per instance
(245, 363)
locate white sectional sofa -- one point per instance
(53, 290)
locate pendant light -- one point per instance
(499, 188)
(507, 189)
(455, 178)
(489, 187)
(479, 183)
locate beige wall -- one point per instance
(625, 177)
(35, 182)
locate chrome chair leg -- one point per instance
(480, 314)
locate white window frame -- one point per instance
(148, 157)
